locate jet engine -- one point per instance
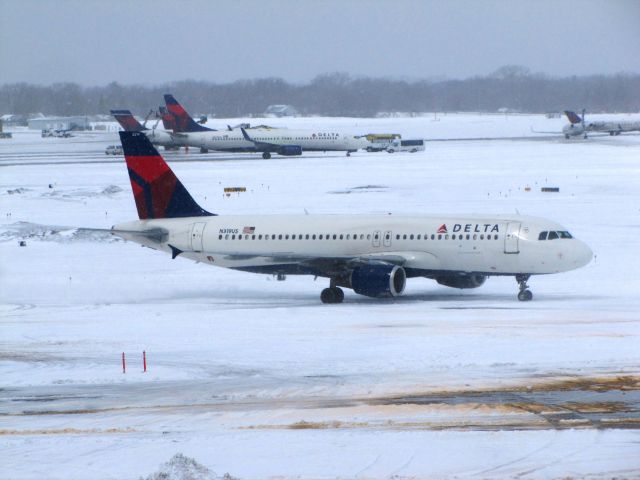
(378, 280)
(461, 281)
(290, 150)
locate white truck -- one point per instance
(399, 145)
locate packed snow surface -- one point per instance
(257, 378)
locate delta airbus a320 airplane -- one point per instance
(371, 254)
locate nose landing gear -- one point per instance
(524, 295)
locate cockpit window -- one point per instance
(554, 235)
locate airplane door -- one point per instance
(511, 238)
(196, 236)
(376, 238)
(387, 238)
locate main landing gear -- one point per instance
(332, 294)
(266, 155)
(524, 295)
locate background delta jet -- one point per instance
(577, 126)
(372, 254)
(259, 139)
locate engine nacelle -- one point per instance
(461, 281)
(378, 280)
(290, 150)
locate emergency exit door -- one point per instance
(197, 232)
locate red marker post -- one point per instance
(124, 365)
(144, 361)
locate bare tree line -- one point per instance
(339, 94)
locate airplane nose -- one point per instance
(583, 254)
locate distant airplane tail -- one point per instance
(157, 191)
(168, 120)
(573, 117)
(127, 121)
(183, 121)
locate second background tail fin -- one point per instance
(183, 121)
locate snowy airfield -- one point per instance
(257, 378)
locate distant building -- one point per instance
(59, 123)
(280, 111)
(13, 120)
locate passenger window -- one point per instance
(259, 237)
(553, 236)
(446, 237)
(468, 236)
(233, 237)
(320, 237)
(411, 237)
(542, 236)
(341, 237)
(334, 236)
(273, 237)
(397, 237)
(219, 237)
(404, 237)
(419, 235)
(482, 236)
(433, 236)
(440, 236)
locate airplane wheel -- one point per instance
(525, 295)
(348, 154)
(328, 295)
(339, 294)
(266, 155)
(204, 150)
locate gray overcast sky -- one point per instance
(94, 42)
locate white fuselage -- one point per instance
(504, 245)
(308, 140)
(163, 138)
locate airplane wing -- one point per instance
(337, 265)
(259, 145)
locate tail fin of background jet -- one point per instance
(157, 191)
(183, 121)
(168, 120)
(127, 121)
(573, 117)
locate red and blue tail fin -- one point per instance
(156, 189)
(184, 122)
(168, 120)
(127, 121)
(573, 117)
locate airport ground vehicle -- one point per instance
(113, 150)
(380, 141)
(406, 146)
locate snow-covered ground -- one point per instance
(257, 378)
